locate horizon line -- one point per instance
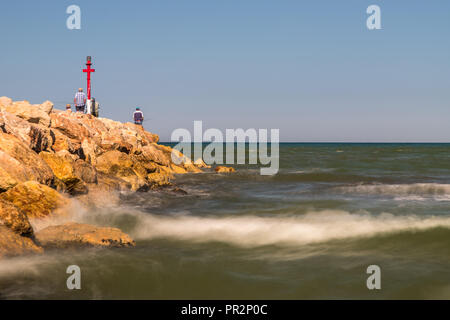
(324, 142)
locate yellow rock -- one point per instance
(222, 169)
(12, 244)
(199, 163)
(78, 235)
(14, 219)
(35, 200)
(18, 163)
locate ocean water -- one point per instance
(309, 232)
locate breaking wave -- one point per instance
(254, 231)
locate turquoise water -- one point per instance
(308, 232)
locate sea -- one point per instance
(312, 231)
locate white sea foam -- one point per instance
(254, 231)
(419, 189)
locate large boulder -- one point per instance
(68, 125)
(61, 142)
(73, 172)
(15, 219)
(121, 165)
(36, 200)
(33, 113)
(18, 163)
(63, 165)
(80, 235)
(85, 171)
(12, 244)
(110, 183)
(158, 154)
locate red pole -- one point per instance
(88, 70)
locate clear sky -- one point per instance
(310, 68)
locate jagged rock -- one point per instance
(90, 151)
(159, 179)
(121, 165)
(79, 235)
(180, 159)
(111, 183)
(5, 102)
(37, 137)
(61, 163)
(177, 169)
(76, 153)
(199, 163)
(152, 137)
(85, 171)
(62, 142)
(68, 125)
(18, 163)
(12, 244)
(73, 172)
(157, 154)
(36, 113)
(221, 169)
(15, 219)
(35, 200)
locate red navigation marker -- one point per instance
(88, 70)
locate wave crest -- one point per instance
(254, 231)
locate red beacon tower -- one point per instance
(88, 70)
(91, 104)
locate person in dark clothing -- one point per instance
(138, 116)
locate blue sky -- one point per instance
(310, 68)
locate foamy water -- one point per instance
(308, 232)
(251, 231)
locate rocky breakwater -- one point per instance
(50, 157)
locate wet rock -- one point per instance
(222, 169)
(15, 219)
(36, 200)
(12, 244)
(110, 183)
(80, 235)
(178, 190)
(159, 179)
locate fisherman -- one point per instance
(138, 116)
(80, 101)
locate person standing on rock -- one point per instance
(80, 101)
(138, 116)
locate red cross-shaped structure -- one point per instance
(88, 70)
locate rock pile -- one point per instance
(48, 156)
